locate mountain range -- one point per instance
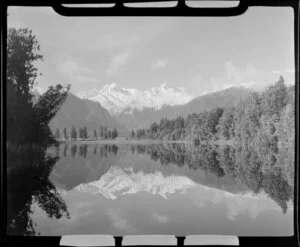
(127, 109)
(119, 100)
(225, 98)
(138, 109)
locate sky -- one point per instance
(198, 54)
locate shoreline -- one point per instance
(121, 141)
(135, 142)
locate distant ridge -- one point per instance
(117, 99)
(225, 98)
(76, 112)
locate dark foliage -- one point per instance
(262, 124)
(28, 118)
(33, 166)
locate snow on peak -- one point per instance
(118, 181)
(109, 87)
(117, 99)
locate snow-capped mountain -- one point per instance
(117, 181)
(124, 100)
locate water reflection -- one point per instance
(28, 183)
(245, 165)
(118, 170)
(82, 150)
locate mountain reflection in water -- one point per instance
(147, 189)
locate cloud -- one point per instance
(160, 218)
(16, 24)
(81, 78)
(235, 76)
(76, 72)
(70, 67)
(281, 71)
(158, 64)
(117, 62)
(118, 221)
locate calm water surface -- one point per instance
(150, 189)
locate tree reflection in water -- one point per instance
(237, 162)
(83, 151)
(28, 170)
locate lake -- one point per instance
(148, 189)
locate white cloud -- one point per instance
(81, 78)
(281, 71)
(75, 71)
(158, 64)
(70, 67)
(236, 76)
(118, 221)
(117, 62)
(161, 218)
(16, 24)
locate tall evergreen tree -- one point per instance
(81, 135)
(73, 133)
(57, 134)
(114, 133)
(95, 134)
(65, 134)
(105, 133)
(101, 133)
(132, 134)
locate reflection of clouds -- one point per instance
(118, 221)
(239, 205)
(159, 217)
(249, 203)
(236, 204)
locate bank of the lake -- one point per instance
(123, 141)
(145, 141)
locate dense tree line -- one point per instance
(28, 117)
(269, 113)
(263, 124)
(83, 134)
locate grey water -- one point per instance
(148, 189)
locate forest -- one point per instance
(263, 123)
(84, 134)
(269, 114)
